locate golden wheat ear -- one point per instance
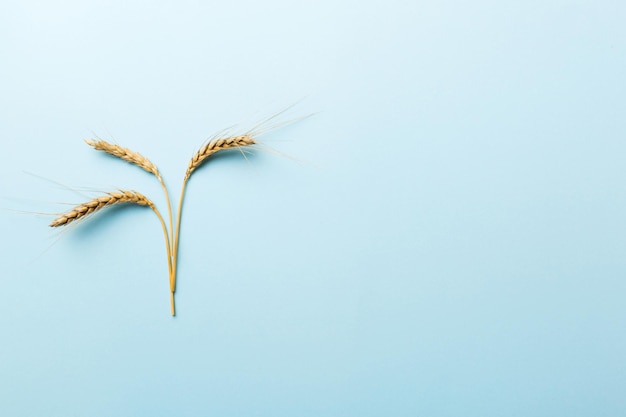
(81, 211)
(216, 145)
(126, 154)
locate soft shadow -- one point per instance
(102, 220)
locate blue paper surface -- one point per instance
(448, 239)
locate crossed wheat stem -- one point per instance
(218, 143)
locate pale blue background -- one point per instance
(452, 243)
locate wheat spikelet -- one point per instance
(83, 210)
(215, 146)
(126, 154)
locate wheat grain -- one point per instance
(215, 146)
(126, 154)
(83, 210)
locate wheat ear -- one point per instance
(124, 153)
(212, 147)
(81, 211)
(215, 146)
(144, 163)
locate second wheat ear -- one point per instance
(217, 144)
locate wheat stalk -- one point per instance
(81, 211)
(212, 147)
(144, 163)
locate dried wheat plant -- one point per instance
(220, 142)
(81, 211)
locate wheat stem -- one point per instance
(169, 256)
(167, 241)
(177, 236)
(170, 236)
(212, 147)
